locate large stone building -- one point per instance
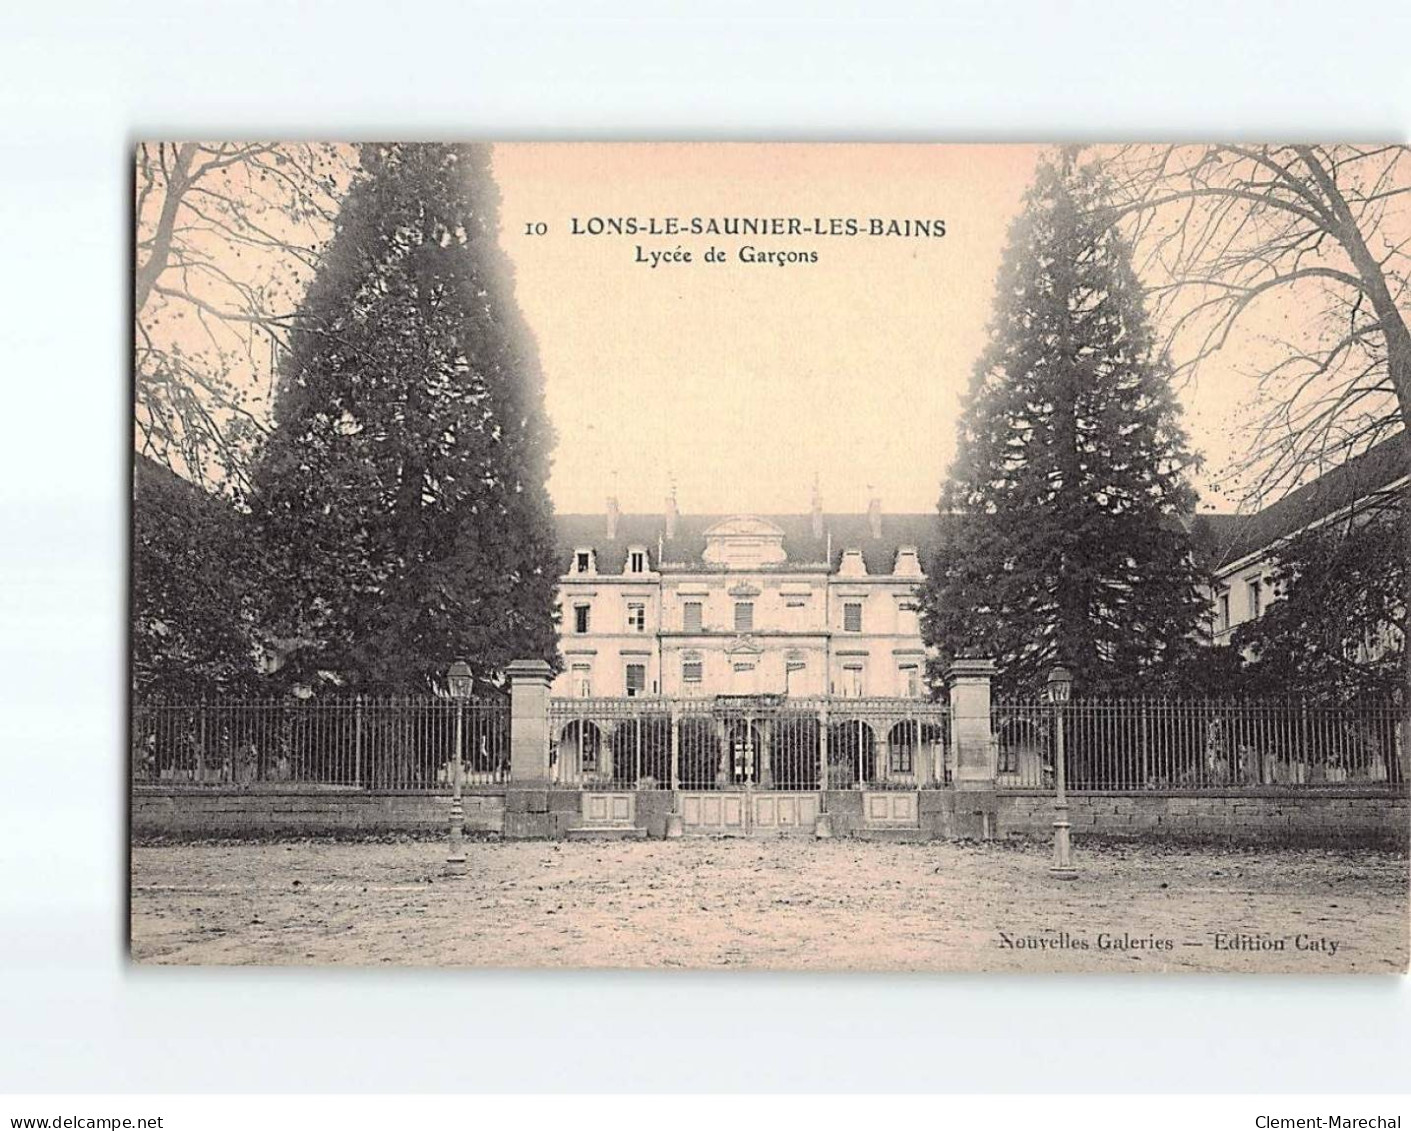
(693, 606)
(702, 605)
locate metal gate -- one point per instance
(748, 812)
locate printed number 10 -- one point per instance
(538, 228)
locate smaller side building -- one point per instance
(1241, 548)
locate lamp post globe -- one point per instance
(459, 682)
(1060, 689)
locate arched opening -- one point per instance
(793, 752)
(641, 752)
(1022, 753)
(698, 755)
(912, 749)
(579, 751)
(744, 744)
(852, 754)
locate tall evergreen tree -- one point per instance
(403, 488)
(1064, 511)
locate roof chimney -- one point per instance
(613, 515)
(874, 516)
(671, 513)
(817, 510)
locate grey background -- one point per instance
(78, 81)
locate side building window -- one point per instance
(692, 669)
(636, 679)
(636, 616)
(691, 616)
(580, 619)
(1222, 610)
(744, 616)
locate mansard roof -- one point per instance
(1230, 537)
(1220, 539)
(687, 548)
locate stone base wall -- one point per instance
(294, 812)
(1247, 816)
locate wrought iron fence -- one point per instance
(1188, 746)
(362, 742)
(770, 742)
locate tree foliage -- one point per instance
(402, 490)
(1068, 488)
(196, 609)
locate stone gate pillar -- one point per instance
(529, 723)
(969, 682)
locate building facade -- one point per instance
(700, 606)
(1240, 549)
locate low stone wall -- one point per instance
(1247, 816)
(303, 812)
(1250, 816)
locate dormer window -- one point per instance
(636, 560)
(852, 564)
(583, 560)
(907, 564)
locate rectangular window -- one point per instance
(691, 616)
(1008, 760)
(793, 677)
(852, 680)
(580, 619)
(1222, 611)
(691, 670)
(899, 759)
(584, 560)
(1256, 596)
(744, 616)
(852, 616)
(911, 680)
(908, 622)
(636, 616)
(637, 561)
(583, 681)
(636, 679)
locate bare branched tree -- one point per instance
(227, 235)
(1304, 248)
(1302, 253)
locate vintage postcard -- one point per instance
(771, 556)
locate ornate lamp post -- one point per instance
(1060, 690)
(460, 681)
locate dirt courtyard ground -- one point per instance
(786, 904)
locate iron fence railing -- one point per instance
(360, 742)
(770, 742)
(1195, 745)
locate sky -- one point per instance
(740, 383)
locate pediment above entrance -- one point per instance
(744, 542)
